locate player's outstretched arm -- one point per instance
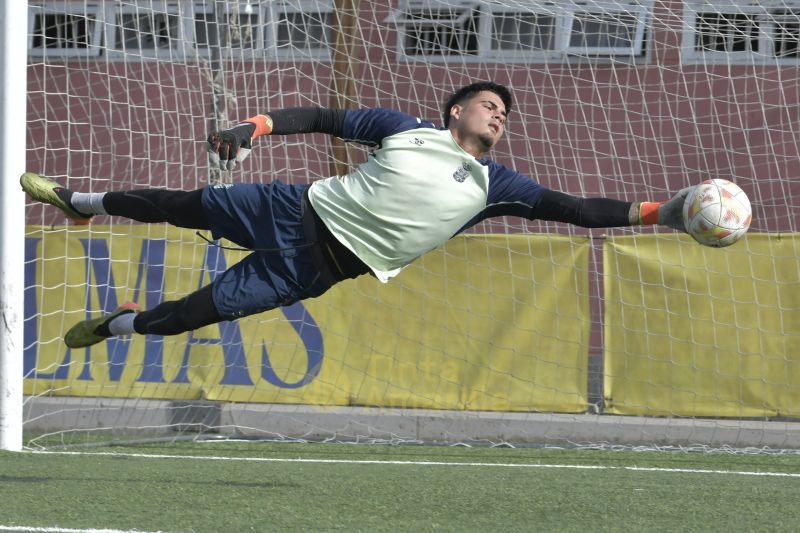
(229, 147)
(608, 212)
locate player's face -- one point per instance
(482, 118)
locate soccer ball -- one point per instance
(717, 213)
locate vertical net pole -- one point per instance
(216, 78)
(13, 34)
(344, 41)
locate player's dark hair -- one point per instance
(468, 91)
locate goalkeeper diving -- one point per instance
(419, 187)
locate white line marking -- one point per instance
(432, 463)
(70, 530)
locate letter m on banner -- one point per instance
(100, 279)
(101, 296)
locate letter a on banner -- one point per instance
(230, 339)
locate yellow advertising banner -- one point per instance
(698, 331)
(488, 322)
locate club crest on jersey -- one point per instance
(462, 172)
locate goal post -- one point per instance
(13, 135)
(518, 331)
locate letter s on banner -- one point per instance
(308, 331)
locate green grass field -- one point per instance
(261, 486)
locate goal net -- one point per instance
(516, 332)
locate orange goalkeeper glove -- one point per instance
(669, 213)
(228, 147)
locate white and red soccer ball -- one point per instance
(717, 213)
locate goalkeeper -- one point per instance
(419, 187)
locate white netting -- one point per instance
(628, 99)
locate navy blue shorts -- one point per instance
(266, 218)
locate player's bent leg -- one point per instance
(168, 318)
(174, 317)
(48, 191)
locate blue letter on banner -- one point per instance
(235, 362)
(308, 331)
(98, 260)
